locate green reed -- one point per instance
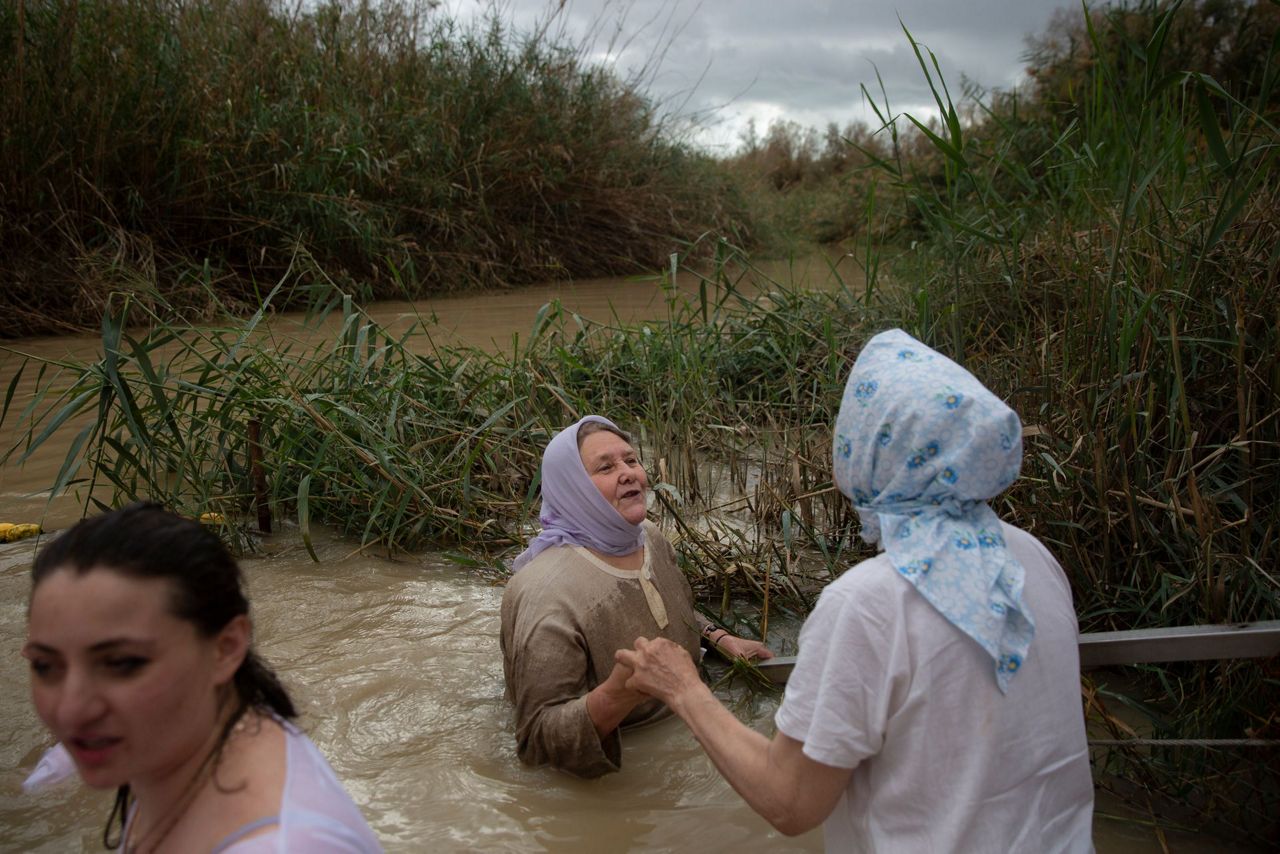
(402, 441)
(1105, 266)
(1102, 252)
(184, 147)
(1109, 266)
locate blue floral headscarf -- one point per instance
(920, 446)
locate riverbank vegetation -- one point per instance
(194, 150)
(1103, 251)
(1100, 249)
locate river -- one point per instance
(397, 670)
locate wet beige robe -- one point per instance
(564, 615)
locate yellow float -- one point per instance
(12, 532)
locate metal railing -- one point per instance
(1139, 646)
(1229, 785)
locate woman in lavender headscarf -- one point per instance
(597, 577)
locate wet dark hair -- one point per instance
(144, 540)
(590, 427)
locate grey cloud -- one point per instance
(803, 57)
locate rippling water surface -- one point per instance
(396, 666)
(397, 670)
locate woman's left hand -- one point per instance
(750, 650)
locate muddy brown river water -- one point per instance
(397, 670)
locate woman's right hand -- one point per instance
(659, 668)
(611, 701)
(616, 686)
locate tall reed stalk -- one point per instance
(1102, 253)
(1106, 259)
(187, 147)
(402, 441)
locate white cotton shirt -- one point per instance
(942, 761)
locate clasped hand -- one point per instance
(659, 668)
(662, 668)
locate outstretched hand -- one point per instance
(662, 669)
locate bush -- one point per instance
(187, 147)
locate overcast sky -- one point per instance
(728, 61)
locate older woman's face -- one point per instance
(129, 689)
(615, 469)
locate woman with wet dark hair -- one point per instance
(142, 667)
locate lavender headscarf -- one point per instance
(573, 510)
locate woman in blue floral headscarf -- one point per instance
(933, 444)
(935, 702)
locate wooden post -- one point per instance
(259, 479)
